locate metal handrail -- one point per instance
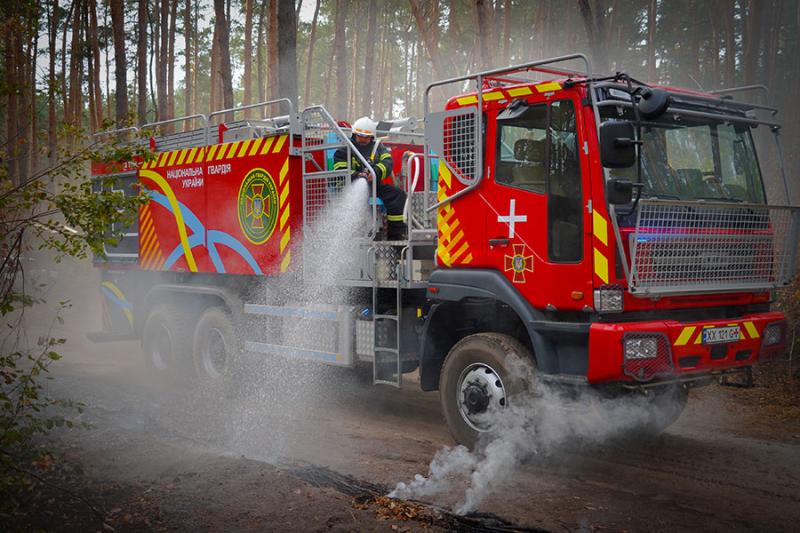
(407, 213)
(351, 147)
(478, 77)
(245, 108)
(187, 118)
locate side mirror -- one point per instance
(619, 191)
(617, 144)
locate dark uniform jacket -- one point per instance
(381, 160)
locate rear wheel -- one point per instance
(215, 346)
(483, 373)
(166, 342)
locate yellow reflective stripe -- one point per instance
(279, 144)
(751, 330)
(267, 143)
(384, 155)
(340, 164)
(285, 240)
(548, 87)
(395, 218)
(496, 95)
(600, 265)
(172, 158)
(600, 227)
(255, 146)
(519, 91)
(383, 168)
(176, 210)
(182, 157)
(286, 260)
(211, 151)
(685, 335)
(466, 100)
(243, 149)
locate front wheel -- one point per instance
(482, 374)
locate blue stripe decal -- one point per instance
(277, 349)
(113, 298)
(257, 309)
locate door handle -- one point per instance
(498, 242)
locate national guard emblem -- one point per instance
(258, 206)
(519, 263)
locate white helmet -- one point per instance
(364, 126)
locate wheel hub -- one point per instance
(480, 389)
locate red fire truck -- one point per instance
(612, 234)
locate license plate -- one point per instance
(720, 335)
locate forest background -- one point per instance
(71, 66)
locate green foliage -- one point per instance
(62, 212)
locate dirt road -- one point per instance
(297, 448)
(726, 465)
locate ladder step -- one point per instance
(385, 317)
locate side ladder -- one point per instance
(387, 366)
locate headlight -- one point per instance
(609, 299)
(641, 348)
(773, 334)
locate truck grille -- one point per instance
(683, 247)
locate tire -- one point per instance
(166, 342)
(476, 376)
(215, 347)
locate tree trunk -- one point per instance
(272, 50)
(287, 50)
(12, 114)
(340, 56)
(484, 25)
(369, 58)
(141, 61)
(188, 35)
(311, 42)
(163, 58)
(247, 80)
(752, 41)
(260, 80)
(652, 9)
(120, 66)
(173, 17)
(506, 31)
(594, 22)
(221, 26)
(63, 75)
(428, 27)
(52, 139)
(95, 93)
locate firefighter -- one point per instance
(380, 159)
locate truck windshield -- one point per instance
(682, 160)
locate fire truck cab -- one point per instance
(602, 232)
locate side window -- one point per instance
(522, 150)
(565, 202)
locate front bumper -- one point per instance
(677, 349)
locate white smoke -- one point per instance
(537, 423)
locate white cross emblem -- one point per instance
(511, 219)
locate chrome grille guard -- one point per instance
(680, 247)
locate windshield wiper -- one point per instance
(661, 196)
